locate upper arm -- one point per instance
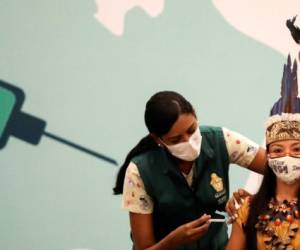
(142, 230)
(244, 152)
(237, 240)
(135, 198)
(258, 164)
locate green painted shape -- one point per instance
(7, 102)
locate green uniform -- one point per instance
(175, 202)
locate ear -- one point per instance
(156, 139)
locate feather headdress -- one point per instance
(284, 122)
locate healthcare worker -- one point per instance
(176, 177)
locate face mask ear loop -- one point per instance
(295, 156)
(161, 142)
(292, 156)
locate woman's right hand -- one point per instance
(235, 202)
(191, 231)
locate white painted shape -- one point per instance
(111, 13)
(263, 20)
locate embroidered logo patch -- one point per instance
(216, 182)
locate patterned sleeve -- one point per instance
(243, 212)
(241, 150)
(135, 199)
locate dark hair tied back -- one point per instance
(162, 111)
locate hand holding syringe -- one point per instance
(220, 220)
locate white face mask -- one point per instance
(286, 168)
(187, 151)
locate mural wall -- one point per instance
(75, 78)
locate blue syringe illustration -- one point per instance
(14, 122)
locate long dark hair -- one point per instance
(259, 205)
(162, 111)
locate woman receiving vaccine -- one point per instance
(176, 177)
(270, 219)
